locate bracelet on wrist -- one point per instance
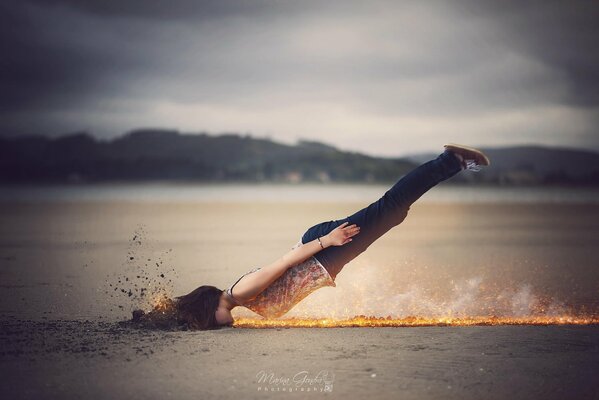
(320, 243)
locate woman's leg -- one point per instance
(385, 213)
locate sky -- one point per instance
(386, 78)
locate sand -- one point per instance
(69, 359)
(61, 336)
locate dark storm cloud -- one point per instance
(160, 9)
(54, 58)
(561, 34)
(266, 65)
(61, 53)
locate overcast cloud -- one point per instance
(382, 77)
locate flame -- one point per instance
(372, 301)
(162, 303)
(365, 321)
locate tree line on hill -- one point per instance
(168, 155)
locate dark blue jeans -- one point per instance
(385, 213)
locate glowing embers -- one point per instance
(162, 303)
(364, 321)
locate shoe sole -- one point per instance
(481, 158)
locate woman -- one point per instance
(323, 250)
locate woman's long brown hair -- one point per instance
(198, 307)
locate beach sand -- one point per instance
(60, 315)
(70, 359)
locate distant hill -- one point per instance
(155, 155)
(150, 154)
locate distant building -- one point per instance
(323, 176)
(293, 177)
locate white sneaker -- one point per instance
(472, 159)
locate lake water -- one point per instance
(178, 192)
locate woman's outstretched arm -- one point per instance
(253, 284)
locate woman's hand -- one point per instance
(342, 234)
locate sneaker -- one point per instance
(471, 158)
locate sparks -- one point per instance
(162, 303)
(364, 321)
